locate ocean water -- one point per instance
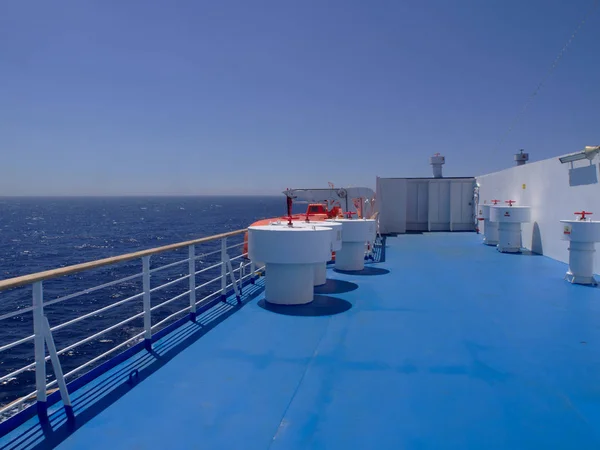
(44, 233)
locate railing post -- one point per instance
(39, 350)
(223, 269)
(252, 271)
(60, 379)
(192, 270)
(147, 304)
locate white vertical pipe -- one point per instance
(147, 304)
(224, 267)
(192, 270)
(38, 340)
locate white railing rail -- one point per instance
(42, 336)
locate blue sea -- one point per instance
(45, 233)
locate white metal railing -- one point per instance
(42, 336)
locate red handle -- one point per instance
(495, 202)
(583, 214)
(289, 211)
(510, 202)
(349, 214)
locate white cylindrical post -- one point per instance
(490, 232)
(289, 284)
(320, 274)
(39, 346)
(223, 268)
(490, 229)
(509, 219)
(351, 256)
(355, 233)
(291, 254)
(581, 263)
(146, 301)
(192, 271)
(509, 237)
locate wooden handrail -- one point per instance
(53, 273)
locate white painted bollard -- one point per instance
(289, 254)
(582, 235)
(509, 220)
(490, 229)
(336, 245)
(320, 269)
(355, 233)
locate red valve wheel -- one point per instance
(583, 214)
(495, 202)
(510, 202)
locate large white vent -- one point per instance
(521, 158)
(436, 162)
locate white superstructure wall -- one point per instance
(554, 192)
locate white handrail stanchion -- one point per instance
(242, 275)
(252, 271)
(233, 280)
(192, 271)
(60, 379)
(147, 304)
(224, 259)
(39, 350)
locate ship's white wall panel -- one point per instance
(439, 205)
(553, 193)
(461, 206)
(423, 204)
(391, 205)
(417, 205)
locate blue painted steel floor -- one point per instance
(458, 346)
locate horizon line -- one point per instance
(131, 195)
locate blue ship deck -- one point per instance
(457, 346)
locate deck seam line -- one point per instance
(312, 359)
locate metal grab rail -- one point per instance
(42, 331)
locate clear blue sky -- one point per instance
(202, 97)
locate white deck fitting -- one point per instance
(355, 233)
(336, 245)
(490, 229)
(582, 235)
(509, 220)
(320, 269)
(289, 254)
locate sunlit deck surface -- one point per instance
(457, 346)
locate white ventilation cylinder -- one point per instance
(436, 162)
(509, 220)
(355, 233)
(583, 235)
(336, 245)
(490, 229)
(290, 255)
(521, 158)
